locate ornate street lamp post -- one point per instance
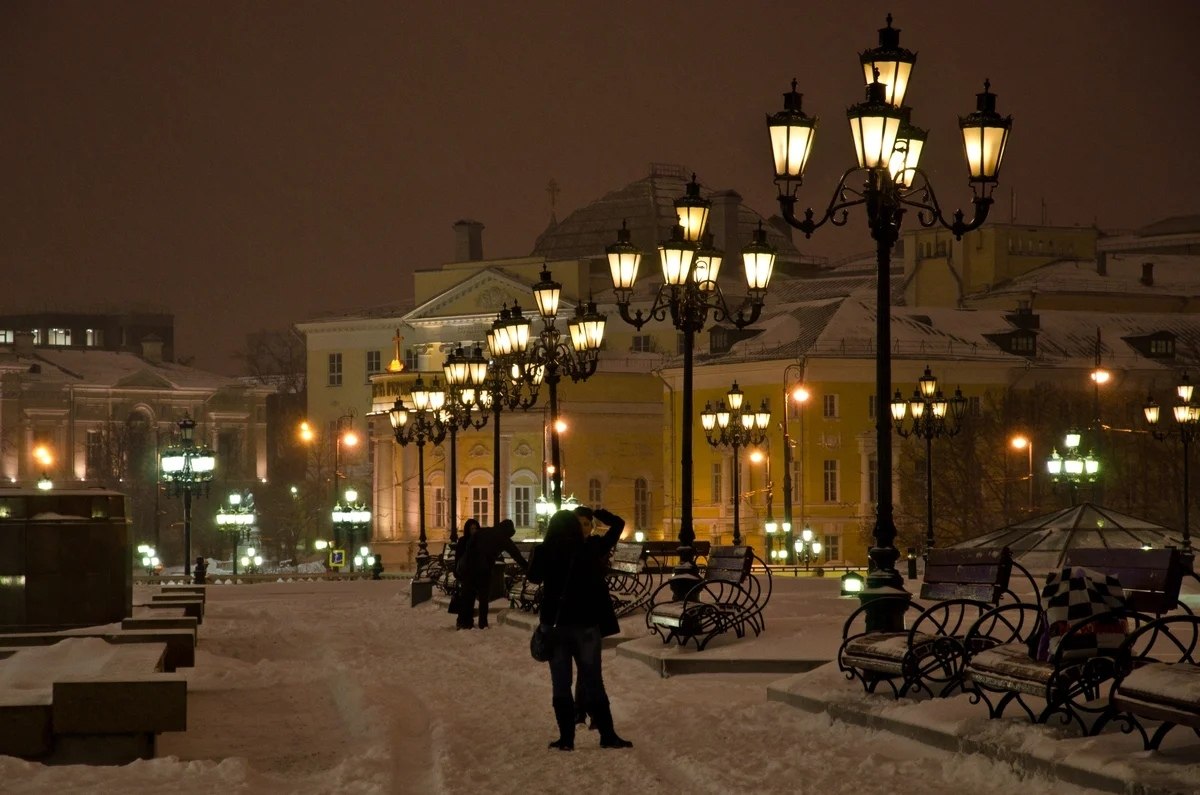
(888, 148)
(548, 356)
(1074, 467)
(505, 389)
(1187, 425)
(348, 518)
(689, 292)
(466, 407)
(807, 547)
(238, 518)
(187, 468)
(732, 425)
(932, 416)
(419, 423)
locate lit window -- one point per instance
(6, 336)
(523, 506)
(94, 337)
(59, 336)
(37, 336)
(479, 504)
(439, 506)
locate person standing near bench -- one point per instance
(200, 571)
(571, 569)
(474, 572)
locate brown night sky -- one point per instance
(250, 165)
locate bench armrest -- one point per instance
(1170, 639)
(1009, 623)
(949, 617)
(860, 612)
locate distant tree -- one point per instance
(277, 359)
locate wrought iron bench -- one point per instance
(629, 579)
(959, 586)
(1157, 680)
(1000, 644)
(661, 556)
(730, 595)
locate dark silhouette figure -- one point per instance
(377, 567)
(475, 569)
(470, 527)
(199, 571)
(571, 569)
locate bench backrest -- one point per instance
(627, 557)
(668, 547)
(1150, 577)
(981, 574)
(729, 563)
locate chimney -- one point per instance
(152, 348)
(724, 222)
(1147, 274)
(468, 241)
(23, 343)
(1101, 263)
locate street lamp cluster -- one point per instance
(349, 518)
(688, 295)
(734, 425)
(530, 360)
(419, 422)
(930, 416)
(1187, 426)
(149, 558)
(239, 518)
(1074, 465)
(187, 468)
(888, 148)
(507, 388)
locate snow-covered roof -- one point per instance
(1173, 274)
(117, 369)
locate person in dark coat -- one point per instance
(586, 524)
(459, 549)
(571, 569)
(199, 571)
(475, 568)
(377, 567)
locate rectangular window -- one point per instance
(439, 506)
(718, 486)
(410, 359)
(6, 336)
(60, 336)
(642, 343)
(37, 336)
(641, 504)
(523, 506)
(829, 407)
(831, 480)
(95, 454)
(480, 503)
(373, 362)
(1162, 347)
(335, 369)
(833, 548)
(94, 337)
(595, 493)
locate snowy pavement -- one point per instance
(342, 687)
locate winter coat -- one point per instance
(573, 570)
(484, 550)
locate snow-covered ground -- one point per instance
(342, 687)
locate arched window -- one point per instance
(595, 493)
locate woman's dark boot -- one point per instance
(564, 715)
(602, 718)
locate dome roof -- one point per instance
(647, 206)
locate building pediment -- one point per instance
(144, 379)
(476, 299)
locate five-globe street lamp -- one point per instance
(888, 148)
(505, 389)
(349, 517)
(466, 406)
(187, 468)
(931, 416)
(1073, 466)
(548, 355)
(807, 547)
(1187, 426)
(734, 425)
(238, 518)
(688, 295)
(420, 423)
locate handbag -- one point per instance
(542, 642)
